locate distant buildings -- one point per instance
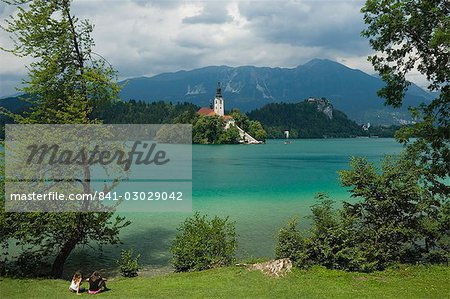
(219, 110)
(366, 127)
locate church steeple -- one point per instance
(219, 90)
(219, 107)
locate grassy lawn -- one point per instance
(233, 282)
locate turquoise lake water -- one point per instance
(258, 186)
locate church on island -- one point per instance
(218, 108)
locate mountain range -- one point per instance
(249, 87)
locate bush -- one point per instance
(230, 136)
(291, 244)
(28, 264)
(128, 265)
(394, 220)
(333, 241)
(204, 244)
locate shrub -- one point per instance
(203, 244)
(333, 241)
(230, 136)
(395, 219)
(29, 264)
(291, 244)
(128, 265)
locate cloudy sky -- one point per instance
(144, 38)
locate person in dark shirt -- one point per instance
(96, 283)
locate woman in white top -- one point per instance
(75, 284)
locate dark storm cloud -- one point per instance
(332, 25)
(143, 38)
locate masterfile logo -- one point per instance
(98, 168)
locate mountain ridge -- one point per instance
(249, 87)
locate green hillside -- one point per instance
(315, 118)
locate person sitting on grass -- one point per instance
(96, 283)
(75, 284)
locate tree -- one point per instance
(256, 130)
(253, 127)
(302, 120)
(408, 35)
(204, 243)
(240, 119)
(291, 244)
(392, 219)
(186, 117)
(393, 207)
(230, 136)
(66, 80)
(128, 263)
(208, 129)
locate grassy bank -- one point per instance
(404, 282)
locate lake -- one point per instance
(258, 186)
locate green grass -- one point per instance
(233, 282)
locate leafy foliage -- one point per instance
(252, 127)
(394, 219)
(208, 129)
(230, 136)
(400, 213)
(334, 243)
(211, 130)
(66, 76)
(128, 263)
(257, 131)
(291, 244)
(203, 243)
(408, 35)
(66, 80)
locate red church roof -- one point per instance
(206, 111)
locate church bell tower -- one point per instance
(219, 107)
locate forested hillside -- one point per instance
(139, 112)
(315, 119)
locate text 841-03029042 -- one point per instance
(149, 195)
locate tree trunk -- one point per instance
(66, 249)
(60, 260)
